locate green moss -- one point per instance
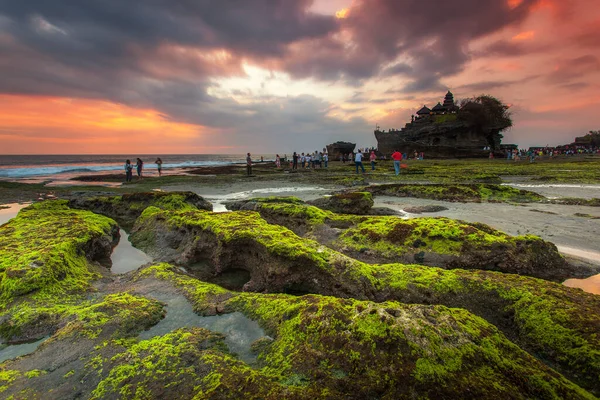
(239, 227)
(124, 313)
(69, 374)
(43, 250)
(460, 193)
(34, 373)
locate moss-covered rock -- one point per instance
(280, 261)
(48, 248)
(359, 203)
(439, 242)
(447, 243)
(127, 208)
(345, 348)
(467, 193)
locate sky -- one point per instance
(276, 76)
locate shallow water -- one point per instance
(18, 350)
(218, 200)
(127, 258)
(591, 284)
(240, 332)
(6, 214)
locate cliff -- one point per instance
(439, 136)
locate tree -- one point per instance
(488, 116)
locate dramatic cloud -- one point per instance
(328, 70)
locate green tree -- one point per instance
(488, 116)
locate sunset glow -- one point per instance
(306, 72)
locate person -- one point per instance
(397, 157)
(262, 159)
(325, 159)
(158, 163)
(358, 161)
(249, 164)
(372, 158)
(295, 160)
(139, 166)
(277, 161)
(128, 171)
(303, 160)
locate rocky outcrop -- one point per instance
(359, 203)
(319, 347)
(337, 149)
(360, 330)
(438, 242)
(127, 208)
(49, 248)
(528, 310)
(448, 135)
(463, 193)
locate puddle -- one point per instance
(6, 214)
(18, 350)
(591, 284)
(217, 200)
(127, 258)
(240, 332)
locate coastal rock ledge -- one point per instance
(337, 327)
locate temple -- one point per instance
(439, 109)
(440, 132)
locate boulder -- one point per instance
(359, 203)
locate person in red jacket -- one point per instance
(397, 157)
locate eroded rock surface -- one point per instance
(361, 331)
(127, 208)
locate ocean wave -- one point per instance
(34, 171)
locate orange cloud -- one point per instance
(63, 125)
(524, 36)
(514, 3)
(343, 13)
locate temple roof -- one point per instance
(439, 107)
(449, 99)
(424, 110)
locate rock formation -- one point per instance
(358, 331)
(447, 131)
(335, 150)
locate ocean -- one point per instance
(30, 167)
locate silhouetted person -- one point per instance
(249, 164)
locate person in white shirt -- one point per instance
(358, 161)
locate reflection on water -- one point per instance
(218, 200)
(590, 285)
(18, 350)
(127, 258)
(9, 213)
(240, 332)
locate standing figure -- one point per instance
(372, 158)
(249, 164)
(277, 161)
(358, 161)
(325, 159)
(158, 163)
(128, 171)
(139, 166)
(397, 157)
(295, 161)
